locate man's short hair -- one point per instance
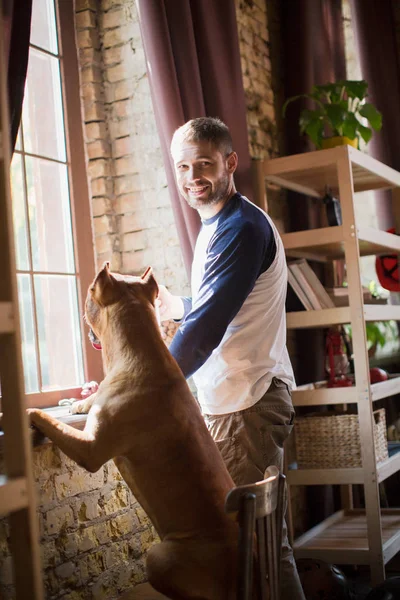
(209, 129)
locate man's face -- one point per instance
(204, 175)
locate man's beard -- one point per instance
(218, 194)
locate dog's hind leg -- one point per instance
(81, 446)
(192, 570)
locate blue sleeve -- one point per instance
(235, 259)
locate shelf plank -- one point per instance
(311, 172)
(306, 396)
(325, 476)
(317, 318)
(343, 476)
(388, 467)
(335, 316)
(384, 389)
(343, 539)
(6, 317)
(327, 243)
(13, 495)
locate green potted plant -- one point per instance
(341, 114)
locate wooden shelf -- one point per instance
(305, 395)
(336, 316)
(327, 243)
(311, 173)
(6, 317)
(343, 476)
(13, 495)
(342, 538)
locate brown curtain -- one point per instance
(193, 58)
(374, 27)
(17, 29)
(313, 48)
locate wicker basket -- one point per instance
(333, 441)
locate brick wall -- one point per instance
(94, 535)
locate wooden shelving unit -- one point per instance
(17, 494)
(370, 537)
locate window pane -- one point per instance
(49, 216)
(43, 27)
(60, 341)
(42, 114)
(27, 333)
(19, 213)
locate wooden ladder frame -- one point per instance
(17, 492)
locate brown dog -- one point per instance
(145, 417)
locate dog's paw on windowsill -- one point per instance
(62, 414)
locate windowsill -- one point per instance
(62, 414)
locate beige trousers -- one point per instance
(250, 441)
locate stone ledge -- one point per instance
(62, 414)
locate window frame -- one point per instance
(81, 214)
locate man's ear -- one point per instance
(150, 284)
(232, 162)
(104, 288)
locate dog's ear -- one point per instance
(150, 284)
(104, 288)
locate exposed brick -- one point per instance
(113, 18)
(95, 131)
(99, 168)
(122, 146)
(103, 225)
(88, 38)
(85, 4)
(114, 55)
(70, 484)
(117, 73)
(94, 111)
(91, 74)
(89, 57)
(92, 92)
(100, 206)
(98, 186)
(120, 35)
(104, 244)
(98, 149)
(85, 18)
(121, 128)
(59, 519)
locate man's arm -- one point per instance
(235, 260)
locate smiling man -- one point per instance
(232, 337)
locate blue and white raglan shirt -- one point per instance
(233, 335)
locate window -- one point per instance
(51, 215)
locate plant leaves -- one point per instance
(356, 89)
(372, 115)
(350, 126)
(365, 132)
(329, 91)
(311, 122)
(336, 114)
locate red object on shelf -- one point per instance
(376, 374)
(336, 361)
(387, 270)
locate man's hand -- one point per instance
(169, 306)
